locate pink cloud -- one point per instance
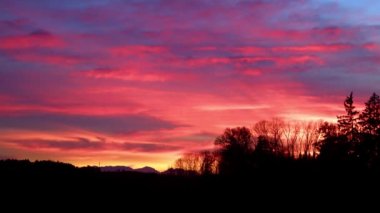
(315, 48)
(252, 72)
(375, 47)
(127, 75)
(249, 50)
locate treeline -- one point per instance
(352, 143)
(13, 166)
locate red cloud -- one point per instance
(372, 47)
(30, 41)
(137, 50)
(61, 60)
(252, 72)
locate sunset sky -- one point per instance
(139, 82)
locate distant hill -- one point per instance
(46, 166)
(145, 169)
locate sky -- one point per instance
(140, 82)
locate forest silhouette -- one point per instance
(353, 143)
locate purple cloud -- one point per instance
(120, 124)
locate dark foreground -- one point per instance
(67, 186)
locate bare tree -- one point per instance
(272, 131)
(261, 128)
(208, 163)
(310, 136)
(179, 164)
(204, 162)
(276, 129)
(291, 134)
(189, 162)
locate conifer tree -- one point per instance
(369, 119)
(348, 123)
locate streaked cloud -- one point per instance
(111, 124)
(231, 107)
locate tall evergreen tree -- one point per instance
(370, 117)
(348, 123)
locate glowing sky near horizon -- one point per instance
(139, 82)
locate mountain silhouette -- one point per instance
(116, 169)
(145, 169)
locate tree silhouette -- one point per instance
(348, 123)
(276, 130)
(236, 146)
(189, 162)
(208, 165)
(261, 128)
(370, 117)
(292, 136)
(310, 136)
(368, 150)
(329, 130)
(334, 147)
(204, 163)
(271, 132)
